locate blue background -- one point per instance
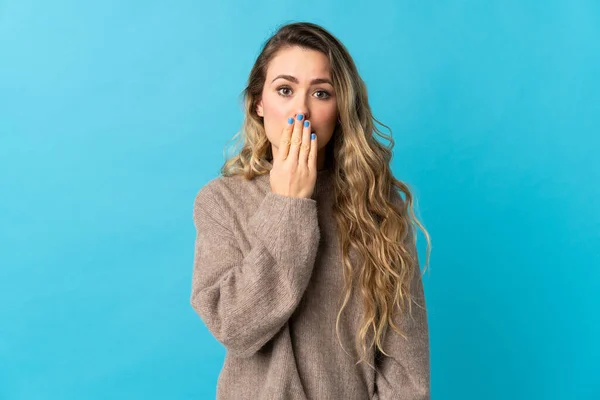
(114, 114)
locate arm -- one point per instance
(406, 374)
(244, 300)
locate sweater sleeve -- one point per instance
(245, 299)
(406, 374)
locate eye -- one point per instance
(327, 95)
(324, 97)
(283, 87)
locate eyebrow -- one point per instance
(295, 80)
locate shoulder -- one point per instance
(227, 192)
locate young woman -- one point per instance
(305, 264)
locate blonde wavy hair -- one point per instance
(372, 219)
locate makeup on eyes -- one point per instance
(326, 97)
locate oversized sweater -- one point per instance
(268, 282)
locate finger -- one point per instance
(284, 140)
(305, 148)
(296, 140)
(312, 155)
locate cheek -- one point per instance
(274, 123)
(275, 117)
(326, 115)
(326, 122)
(272, 105)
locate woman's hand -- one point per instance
(294, 171)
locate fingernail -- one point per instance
(300, 116)
(306, 124)
(313, 136)
(290, 120)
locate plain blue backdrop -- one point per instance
(113, 114)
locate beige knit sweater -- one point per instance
(268, 283)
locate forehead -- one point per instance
(302, 63)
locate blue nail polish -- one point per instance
(300, 116)
(306, 124)
(313, 136)
(290, 120)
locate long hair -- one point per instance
(372, 218)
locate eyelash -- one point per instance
(320, 98)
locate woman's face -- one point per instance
(289, 90)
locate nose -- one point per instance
(301, 107)
(305, 114)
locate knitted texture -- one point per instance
(268, 283)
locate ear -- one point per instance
(259, 108)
